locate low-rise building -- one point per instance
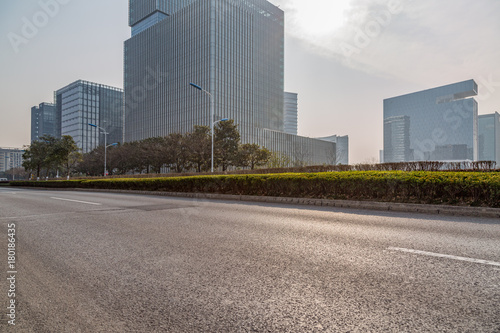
(10, 158)
(342, 148)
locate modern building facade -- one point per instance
(397, 138)
(45, 121)
(291, 118)
(10, 158)
(83, 102)
(439, 124)
(342, 148)
(232, 49)
(301, 151)
(489, 138)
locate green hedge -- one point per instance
(463, 188)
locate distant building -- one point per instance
(342, 148)
(81, 103)
(45, 121)
(437, 124)
(489, 138)
(10, 158)
(291, 113)
(397, 139)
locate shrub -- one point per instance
(465, 188)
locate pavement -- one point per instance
(370, 205)
(116, 262)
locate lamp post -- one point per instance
(212, 106)
(105, 159)
(103, 131)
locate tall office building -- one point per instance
(291, 113)
(489, 138)
(45, 121)
(438, 124)
(233, 49)
(81, 103)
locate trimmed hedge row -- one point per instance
(460, 188)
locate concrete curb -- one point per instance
(368, 205)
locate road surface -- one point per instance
(100, 262)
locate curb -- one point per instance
(368, 205)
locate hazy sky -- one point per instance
(343, 57)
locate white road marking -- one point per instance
(447, 256)
(78, 201)
(33, 216)
(8, 191)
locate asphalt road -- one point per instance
(98, 262)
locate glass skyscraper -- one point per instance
(489, 138)
(83, 102)
(438, 124)
(45, 121)
(233, 49)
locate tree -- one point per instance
(14, 173)
(66, 154)
(177, 155)
(252, 155)
(278, 160)
(125, 158)
(37, 156)
(198, 144)
(132, 157)
(91, 163)
(302, 156)
(53, 156)
(153, 153)
(227, 139)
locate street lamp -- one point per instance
(105, 148)
(212, 122)
(105, 144)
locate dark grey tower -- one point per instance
(45, 121)
(233, 50)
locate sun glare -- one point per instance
(320, 17)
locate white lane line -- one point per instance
(447, 256)
(32, 216)
(78, 201)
